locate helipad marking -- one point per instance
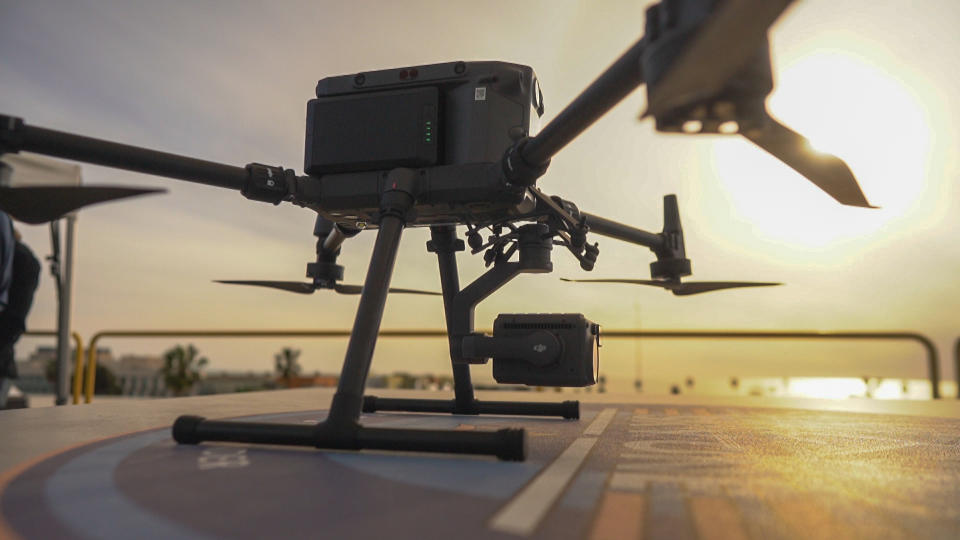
(620, 516)
(625, 481)
(525, 511)
(109, 514)
(667, 513)
(811, 519)
(600, 423)
(717, 518)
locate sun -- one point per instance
(848, 107)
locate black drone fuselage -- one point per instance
(452, 122)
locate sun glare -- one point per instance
(818, 147)
(823, 388)
(846, 107)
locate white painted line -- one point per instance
(523, 514)
(600, 422)
(525, 511)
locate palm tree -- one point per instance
(286, 364)
(181, 368)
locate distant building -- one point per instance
(326, 381)
(32, 371)
(409, 381)
(226, 382)
(138, 363)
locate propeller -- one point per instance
(827, 171)
(724, 40)
(679, 288)
(308, 288)
(39, 204)
(707, 69)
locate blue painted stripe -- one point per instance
(82, 495)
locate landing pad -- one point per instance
(624, 470)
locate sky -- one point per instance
(873, 81)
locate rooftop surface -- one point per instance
(633, 466)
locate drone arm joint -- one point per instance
(266, 183)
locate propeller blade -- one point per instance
(653, 282)
(718, 49)
(696, 287)
(357, 289)
(827, 171)
(291, 286)
(348, 289)
(39, 204)
(681, 288)
(309, 288)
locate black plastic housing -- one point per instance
(381, 130)
(578, 362)
(440, 114)
(670, 26)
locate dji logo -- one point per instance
(539, 347)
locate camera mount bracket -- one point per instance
(459, 305)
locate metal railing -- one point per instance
(933, 359)
(956, 364)
(933, 362)
(78, 359)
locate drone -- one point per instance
(454, 144)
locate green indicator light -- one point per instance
(428, 139)
(428, 122)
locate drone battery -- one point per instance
(452, 113)
(376, 130)
(576, 365)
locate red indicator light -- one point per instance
(404, 74)
(414, 73)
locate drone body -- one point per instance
(456, 143)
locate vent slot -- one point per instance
(537, 326)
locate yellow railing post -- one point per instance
(77, 369)
(91, 375)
